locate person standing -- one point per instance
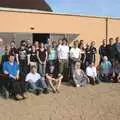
(29, 46)
(33, 60)
(102, 50)
(1, 53)
(75, 56)
(42, 59)
(22, 59)
(93, 52)
(63, 57)
(88, 55)
(110, 50)
(52, 54)
(13, 49)
(117, 48)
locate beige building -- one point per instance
(23, 24)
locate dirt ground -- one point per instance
(100, 102)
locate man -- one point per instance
(106, 70)
(75, 55)
(63, 56)
(92, 74)
(22, 59)
(36, 82)
(110, 50)
(11, 81)
(1, 53)
(117, 48)
(54, 78)
(29, 46)
(102, 50)
(93, 52)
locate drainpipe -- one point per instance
(107, 29)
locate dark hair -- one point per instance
(22, 41)
(12, 42)
(11, 55)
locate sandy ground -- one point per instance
(101, 102)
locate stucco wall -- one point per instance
(88, 28)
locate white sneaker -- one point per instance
(77, 85)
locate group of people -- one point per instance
(40, 68)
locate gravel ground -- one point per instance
(100, 102)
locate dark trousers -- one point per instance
(24, 69)
(94, 81)
(14, 87)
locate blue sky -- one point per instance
(87, 7)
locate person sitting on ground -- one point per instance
(92, 74)
(105, 70)
(54, 78)
(80, 79)
(116, 71)
(12, 81)
(36, 82)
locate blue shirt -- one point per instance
(53, 54)
(11, 69)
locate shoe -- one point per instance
(45, 91)
(54, 91)
(37, 92)
(57, 91)
(77, 85)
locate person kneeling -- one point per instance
(11, 80)
(106, 70)
(92, 74)
(54, 78)
(36, 83)
(80, 79)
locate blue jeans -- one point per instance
(39, 85)
(42, 69)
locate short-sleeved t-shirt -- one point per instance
(33, 77)
(22, 54)
(13, 51)
(42, 55)
(33, 56)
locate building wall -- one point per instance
(114, 28)
(88, 28)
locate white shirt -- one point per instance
(32, 77)
(63, 52)
(75, 53)
(91, 71)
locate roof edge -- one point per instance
(53, 13)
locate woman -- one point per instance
(79, 77)
(33, 57)
(52, 53)
(36, 45)
(42, 58)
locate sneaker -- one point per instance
(45, 91)
(37, 92)
(57, 91)
(77, 85)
